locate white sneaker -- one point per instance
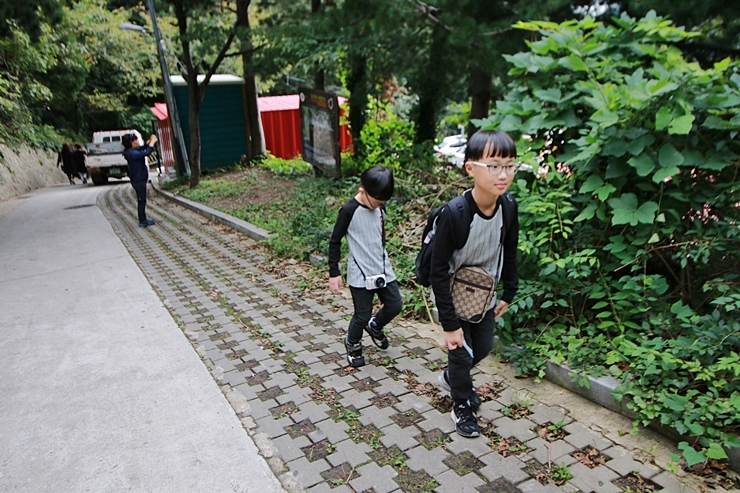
(443, 383)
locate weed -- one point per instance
(561, 473)
(557, 426)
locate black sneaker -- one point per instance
(376, 334)
(354, 354)
(465, 420)
(474, 400)
(147, 223)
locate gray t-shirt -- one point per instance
(363, 229)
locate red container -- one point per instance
(281, 122)
(165, 135)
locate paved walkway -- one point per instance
(276, 349)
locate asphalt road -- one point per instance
(99, 389)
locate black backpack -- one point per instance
(461, 219)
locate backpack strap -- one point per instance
(461, 219)
(508, 204)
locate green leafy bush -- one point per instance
(288, 168)
(629, 231)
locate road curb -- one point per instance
(254, 232)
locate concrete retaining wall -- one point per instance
(24, 169)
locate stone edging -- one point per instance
(600, 392)
(600, 388)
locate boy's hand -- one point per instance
(152, 140)
(454, 339)
(335, 284)
(500, 309)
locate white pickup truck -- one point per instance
(104, 158)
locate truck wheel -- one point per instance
(98, 178)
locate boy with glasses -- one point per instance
(492, 245)
(369, 271)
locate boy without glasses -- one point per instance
(369, 271)
(492, 245)
(138, 171)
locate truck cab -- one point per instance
(104, 155)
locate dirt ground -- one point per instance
(264, 187)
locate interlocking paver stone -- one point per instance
(428, 460)
(290, 448)
(273, 427)
(234, 378)
(380, 418)
(372, 476)
(581, 437)
(359, 400)
(434, 419)
(295, 394)
(349, 452)
(545, 451)
(334, 431)
(327, 487)
(623, 462)
(599, 479)
(478, 446)
(401, 437)
(450, 482)
(510, 468)
(411, 401)
(261, 409)
(521, 429)
(543, 414)
(340, 384)
(670, 484)
(534, 486)
(308, 473)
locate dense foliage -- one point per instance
(74, 73)
(630, 231)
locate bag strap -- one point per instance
(460, 218)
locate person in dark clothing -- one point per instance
(138, 171)
(65, 158)
(79, 157)
(369, 271)
(491, 245)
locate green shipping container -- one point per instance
(223, 121)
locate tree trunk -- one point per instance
(431, 88)
(194, 122)
(319, 80)
(481, 88)
(357, 85)
(254, 121)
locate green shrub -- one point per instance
(288, 168)
(630, 225)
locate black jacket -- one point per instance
(444, 246)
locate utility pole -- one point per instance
(181, 153)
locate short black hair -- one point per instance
(378, 182)
(127, 139)
(489, 143)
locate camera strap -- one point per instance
(382, 236)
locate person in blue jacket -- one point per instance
(138, 171)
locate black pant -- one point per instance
(140, 187)
(480, 339)
(363, 301)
